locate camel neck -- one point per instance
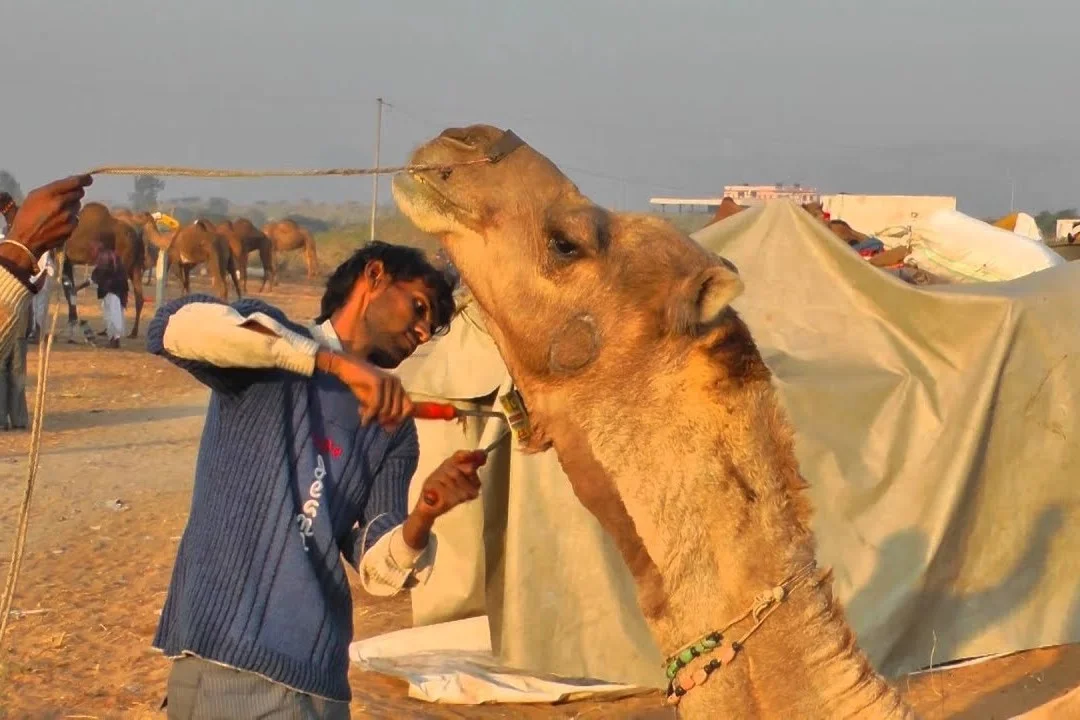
(726, 521)
(802, 661)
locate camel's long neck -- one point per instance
(725, 519)
(802, 661)
(156, 237)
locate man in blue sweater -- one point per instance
(305, 459)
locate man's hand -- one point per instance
(381, 395)
(49, 214)
(452, 483)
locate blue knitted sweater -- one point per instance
(284, 471)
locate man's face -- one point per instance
(398, 319)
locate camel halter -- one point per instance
(682, 681)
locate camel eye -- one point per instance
(562, 246)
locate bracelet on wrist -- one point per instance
(29, 253)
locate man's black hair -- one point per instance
(401, 263)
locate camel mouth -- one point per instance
(427, 206)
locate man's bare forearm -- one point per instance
(416, 530)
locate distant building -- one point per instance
(756, 194)
(743, 195)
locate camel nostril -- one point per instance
(445, 174)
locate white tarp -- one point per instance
(452, 663)
(1027, 227)
(936, 429)
(964, 249)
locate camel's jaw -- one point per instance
(430, 208)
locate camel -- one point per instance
(619, 334)
(201, 243)
(155, 241)
(244, 238)
(287, 236)
(98, 228)
(138, 222)
(726, 209)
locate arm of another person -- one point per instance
(46, 219)
(15, 297)
(226, 347)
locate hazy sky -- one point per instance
(673, 96)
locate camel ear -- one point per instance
(703, 298)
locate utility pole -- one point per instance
(375, 177)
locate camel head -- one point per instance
(574, 294)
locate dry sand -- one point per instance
(121, 432)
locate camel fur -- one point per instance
(200, 243)
(286, 235)
(98, 228)
(618, 331)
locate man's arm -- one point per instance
(378, 548)
(226, 347)
(397, 551)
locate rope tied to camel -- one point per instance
(507, 143)
(181, 171)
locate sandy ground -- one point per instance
(121, 432)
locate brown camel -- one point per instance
(287, 236)
(98, 228)
(244, 238)
(618, 331)
(155, 241)
(727, 208)
(200, 243)
(847, 233)
(138, 221)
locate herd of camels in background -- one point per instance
(223, 247)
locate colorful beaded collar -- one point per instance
(681, 680)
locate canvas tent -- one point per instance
(936, 428)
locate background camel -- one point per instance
(727, 208)
(287, 236)
(154, 240)
(618, 332)
(244, 238)
(139, 221)
(98, 228)
(200, 243)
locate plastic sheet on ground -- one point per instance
(452, 663)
